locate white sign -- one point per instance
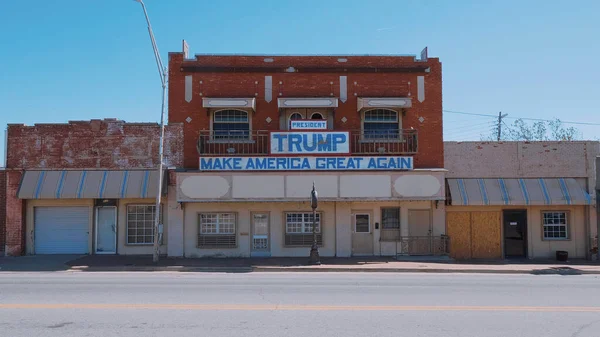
(305, 163)
(310, 142)
(308, 125)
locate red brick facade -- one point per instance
(308, 76)
(2, 211)
(96, 144)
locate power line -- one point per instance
(465, 126)
(523, 118)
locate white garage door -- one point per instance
(61, 230)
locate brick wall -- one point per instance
(15, 224)
(2, 211)
(313, 76)
(107, 144)
(95, 144)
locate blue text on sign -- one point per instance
(309, 142)
(305, 163)
(308, 125)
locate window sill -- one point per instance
(230, 141)
(556, 239)
(217, 247)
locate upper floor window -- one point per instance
(231, 124)
(381, 124)
(316, 115)
(294, 117)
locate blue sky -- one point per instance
(77, 60)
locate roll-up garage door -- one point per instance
(61, 230)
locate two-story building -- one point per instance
(260, 130)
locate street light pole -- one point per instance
(162, 71)
(314, 258)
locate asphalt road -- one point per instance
(297, 304)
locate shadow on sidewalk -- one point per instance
(37, 263)
(92, 263)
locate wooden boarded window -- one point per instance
(474, 235)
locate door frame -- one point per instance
(260, 253)
(96, 230)
(526, 236)
(353, 231)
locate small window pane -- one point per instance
(298, 223)
(362, 223)
(390, 218)
(381, 124)
(555, 225)
(140, 224)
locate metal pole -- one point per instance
(499, 124)
(162, 71)
(500, 116)
(314, 250)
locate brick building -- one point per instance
(247, 137)
(259, 130)
(85, 187)
(2, 210)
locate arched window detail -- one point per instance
(231, 124)
(294, 117)
(381, 124)
(317, 115)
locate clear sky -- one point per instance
(82, 59)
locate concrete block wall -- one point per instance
(310, 76)
(521, 159)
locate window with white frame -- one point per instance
(299, 229)
(140, 224)
(381, 124)
(231, 124)
(217, 230)
(555, 225)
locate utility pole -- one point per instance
(500, 116)
(162, 71)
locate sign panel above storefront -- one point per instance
(310, 142)
(305, 163)
(308, 125)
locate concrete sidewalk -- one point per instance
(115, 263)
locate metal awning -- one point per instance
(307, 102)
(229, 103)
(88, 184)
(531, 191)
(383, 102)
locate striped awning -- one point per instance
(531, 191)
(88, 184)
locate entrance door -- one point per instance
(260, 235)
(362, 236)
(106, 230)
(515, 234)
(419, 231)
